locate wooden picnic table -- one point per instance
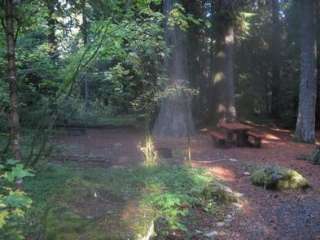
(236, 132)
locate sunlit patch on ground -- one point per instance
(223, 173)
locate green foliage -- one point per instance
(244, 22)
(17, 173)
(123, 60)
(124, 57)
(179, 18)
(280, 178)
(122, 63)
(73, 111)
(174, 191)
(13, 201)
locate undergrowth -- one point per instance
(118, 202)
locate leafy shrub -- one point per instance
(13, 201)
(274, 177)
(73, 110)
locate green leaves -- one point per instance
(146, 3)
(179, 18)
(174, 191)
(13, 201)
(244, 22)
(17, 173)
(16, 199)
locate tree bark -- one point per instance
(84, 31)
(318, 90)
(211, 60)
(223, 77)
(10, 33)
(196, 61)
(52, 39)
(276, 55)
(305, 127)
(318, 68)
(175, 116)
(84, 26)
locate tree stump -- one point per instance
(315, 156)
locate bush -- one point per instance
(274, 177)
(13, 201)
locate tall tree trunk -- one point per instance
(84, 26)
(10, 32)
(305, 128)
(196, 61)
(318, 89)
(175, 116)
(211, 60)
(318, 68)
(52, 39)
(84, 31)
(276, 62)
(223, 77)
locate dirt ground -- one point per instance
(264, 214)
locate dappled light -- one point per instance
(151, 155)
(280, 130)
(271, 137)
(223, 173)
(218, 77)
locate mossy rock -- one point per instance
(278, 178)
(220, 193)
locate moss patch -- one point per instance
(278, 178)
(220, 193)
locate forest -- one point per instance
(159, 119)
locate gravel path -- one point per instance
(290, 215)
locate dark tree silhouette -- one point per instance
(223, 78)
(276, 56)
(10, 27)
(305, 127)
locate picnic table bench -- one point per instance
(236, 133)
(255, 138)
(218, 138)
